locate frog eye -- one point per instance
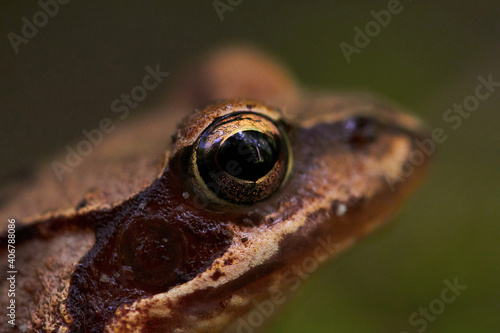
(241, 158)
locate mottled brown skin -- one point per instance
(71, 256)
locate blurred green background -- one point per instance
(427, 58)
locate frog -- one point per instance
(212, 205)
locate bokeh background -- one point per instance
(427, 59)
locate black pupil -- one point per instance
(248, 155)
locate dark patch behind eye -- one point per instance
(141, 252)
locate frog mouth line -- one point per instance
(361, 217)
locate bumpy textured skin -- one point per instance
(133, 155)
(326, 180)
(127, 161)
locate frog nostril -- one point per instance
(152, 251)
(361, 130)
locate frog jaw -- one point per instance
(306, 217)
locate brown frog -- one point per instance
(254, 188)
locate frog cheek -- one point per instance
(151, 253)
(241, 159)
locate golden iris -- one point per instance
(241, 158)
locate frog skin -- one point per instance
(139, 240)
